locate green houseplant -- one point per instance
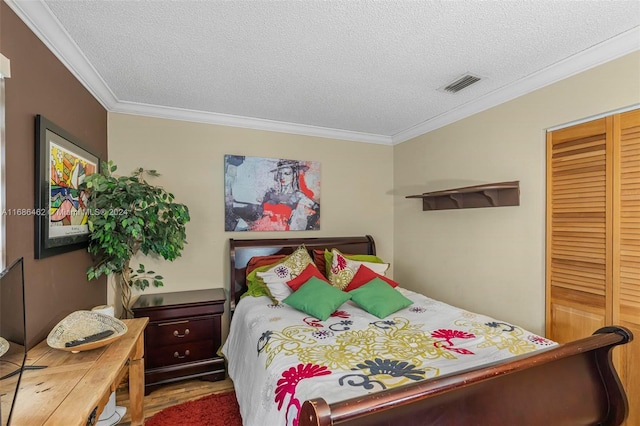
(128, 215)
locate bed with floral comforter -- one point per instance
(278, 357)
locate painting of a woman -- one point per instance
(265, 194)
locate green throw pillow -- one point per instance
(379, 298)
(317, 298)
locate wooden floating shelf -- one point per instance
(489, 195)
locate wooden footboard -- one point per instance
(570, 384)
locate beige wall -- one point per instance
(491, 260)
(356, 192)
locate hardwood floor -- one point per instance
(172, 394)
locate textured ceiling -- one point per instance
(360, 70)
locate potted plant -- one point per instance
(128, 215)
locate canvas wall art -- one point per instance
(271, 194)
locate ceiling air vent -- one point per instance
(462, 82)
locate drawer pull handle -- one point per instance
(177, 355)
(177, 334)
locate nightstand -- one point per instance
(182, 337)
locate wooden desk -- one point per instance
(74, 388)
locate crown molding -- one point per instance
(601, 53)
(134, 108)
(39, 18)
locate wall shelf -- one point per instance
(488, 195)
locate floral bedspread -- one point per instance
(279, 357)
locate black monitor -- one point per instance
(12, 336)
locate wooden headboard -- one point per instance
(240, 251)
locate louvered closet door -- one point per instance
(579, 226)
(626, 259)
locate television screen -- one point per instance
(12, 336)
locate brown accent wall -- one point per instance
(41, 84)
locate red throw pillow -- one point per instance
(257, 261)
(364, 275)
(310, 271)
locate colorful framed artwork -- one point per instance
(271, 194)
(61, 215)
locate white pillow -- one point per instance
(287, 269)
(342, 269)
(279, 291)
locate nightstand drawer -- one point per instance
(181, 331)
(178, 354)
(176, 312)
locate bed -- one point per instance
(428, 363)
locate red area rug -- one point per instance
(219, 409)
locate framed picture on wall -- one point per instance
(271, 194)
(61, 215)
